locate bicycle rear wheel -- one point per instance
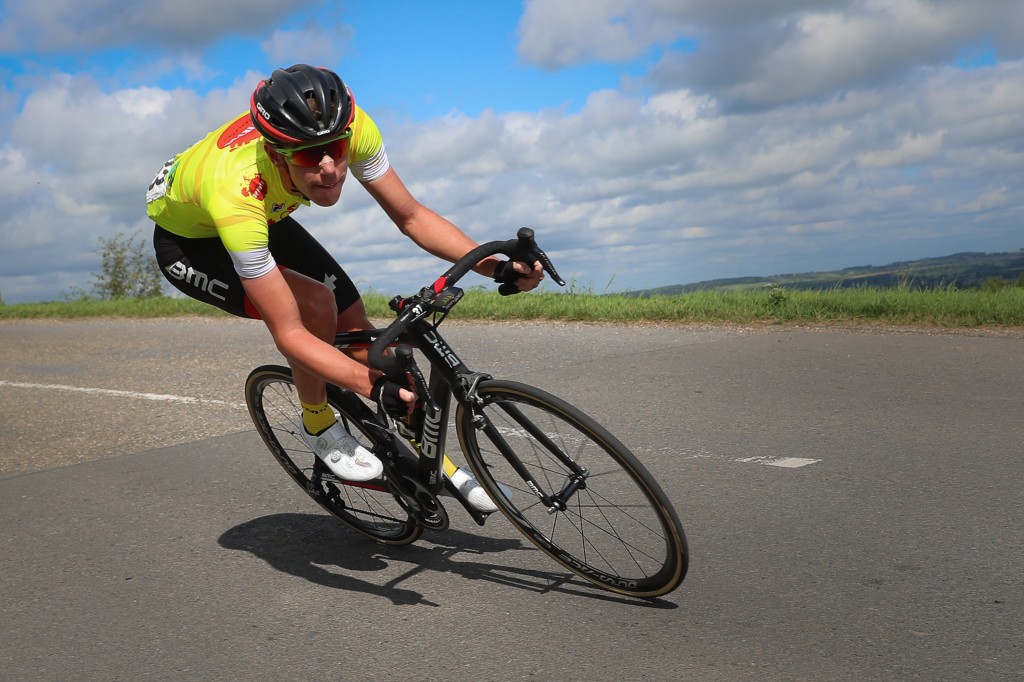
(368, 507)
(616, 529)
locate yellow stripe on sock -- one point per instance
(317, 418)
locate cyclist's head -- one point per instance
(301, 105)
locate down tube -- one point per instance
(433, 430)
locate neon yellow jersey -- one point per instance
(226, 186)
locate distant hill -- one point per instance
(963, 270)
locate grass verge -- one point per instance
(898, 306)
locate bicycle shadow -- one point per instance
(303, 544)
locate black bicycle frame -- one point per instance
(448, 374)
(429, 426)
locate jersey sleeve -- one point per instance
(368, 159)
(239, 213)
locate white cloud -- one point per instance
(616, 190)
(587, 34)
(815, 50)
(563, 33)
(797, 131)
(143, 102)
(77, 161)
(912, 150)
(62, 25)
(315, 43)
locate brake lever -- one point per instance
(527, 251)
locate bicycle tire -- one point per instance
(368, 508)
(619, 531)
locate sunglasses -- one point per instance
(313, 154)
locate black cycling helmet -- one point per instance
(301, 104)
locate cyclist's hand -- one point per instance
(520, 274)
(392, 398)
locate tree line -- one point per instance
(128, 269)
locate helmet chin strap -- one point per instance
(293, 189)
(286, 174)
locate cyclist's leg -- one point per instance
(319, 314)
(353, 319)
(200, 269)
(203, 270)
(313, 272)
(328, 300)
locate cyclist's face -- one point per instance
(320, 183)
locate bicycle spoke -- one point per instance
(369, 509)
(610, 525)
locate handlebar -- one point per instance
(523, 248)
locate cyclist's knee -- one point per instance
(354, 318)
(317, 306)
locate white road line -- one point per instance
(188, 400)
(782, 462)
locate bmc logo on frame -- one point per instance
(197, 279)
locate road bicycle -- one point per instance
(570, 486)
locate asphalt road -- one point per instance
(852, 501)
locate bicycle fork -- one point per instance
(577, 479)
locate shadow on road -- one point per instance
(306, 545)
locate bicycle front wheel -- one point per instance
(368, 507)
(606, 518)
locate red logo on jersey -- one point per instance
(240, 132)
(257, 188)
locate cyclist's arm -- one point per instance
(273, 297)
(430, 231)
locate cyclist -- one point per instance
(224, 235)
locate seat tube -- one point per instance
(434, 433)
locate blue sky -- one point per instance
(430, 63)
(649, 142)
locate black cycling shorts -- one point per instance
(203, 270)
